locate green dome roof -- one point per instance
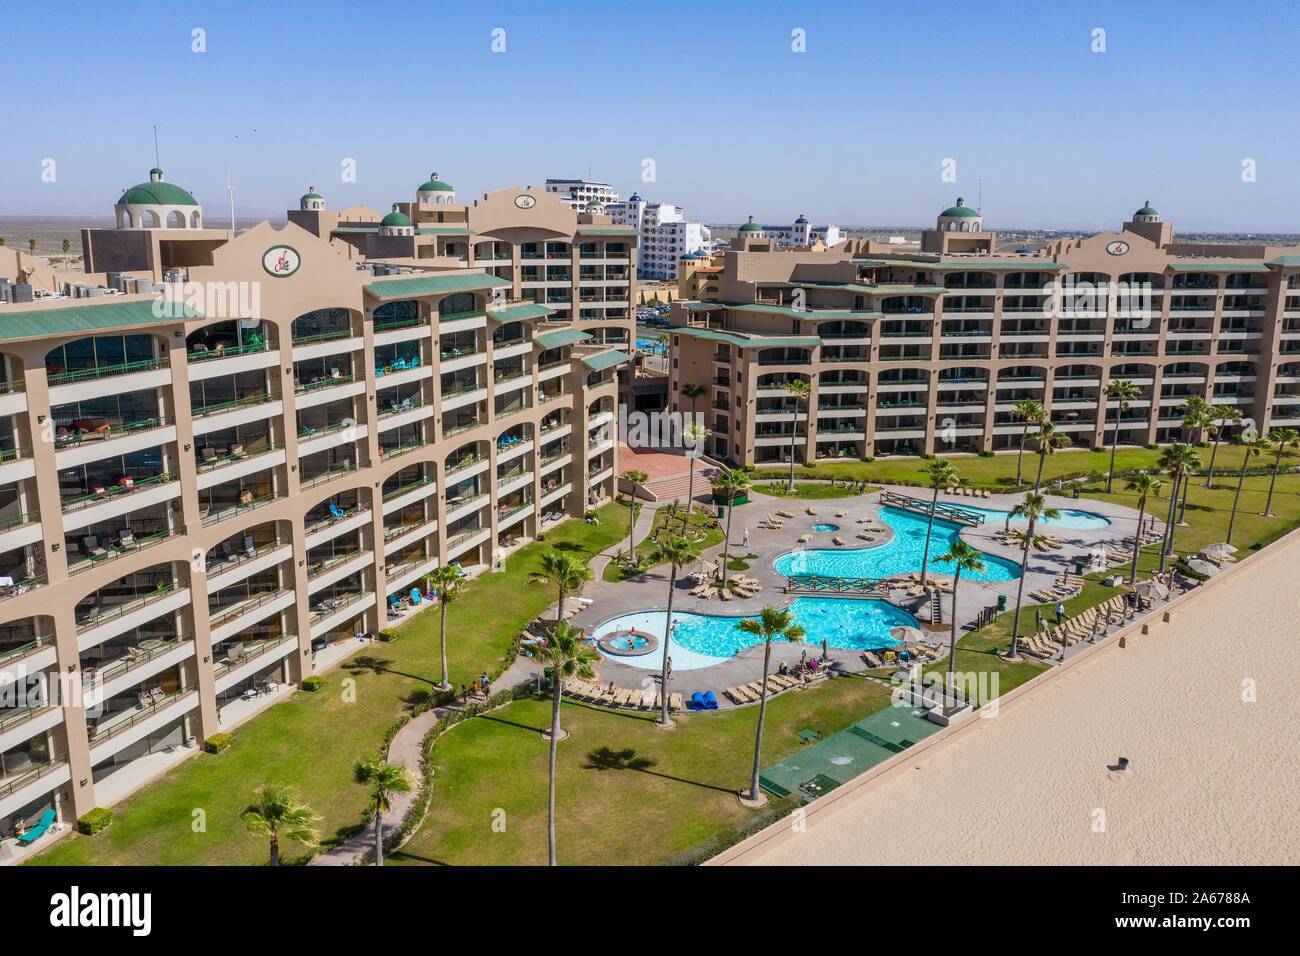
(961, 209)
(311, 193)
(436, 185)
(1146, 210)
(751, 226)
(395, 218)
(156, 193)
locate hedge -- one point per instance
(94, 821)
(217, 743)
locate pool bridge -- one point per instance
(833, 584)
(953, 513)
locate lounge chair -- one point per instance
(841, 514)
(93, 549)
(337, 513)
(416, 596)
(837, 541)
(697, 700)
(785, 514)
(710, 701)
(33, 834)
(872, 660)
(810, 511)
(804, 539)
(394, 603)
(724, 593)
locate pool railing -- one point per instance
(941, 510)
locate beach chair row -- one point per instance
(750, 693)
(630, 698)
(1050, 641)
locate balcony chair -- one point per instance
(337, 513)
(93, 549)
(126, 538)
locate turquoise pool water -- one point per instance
(700, 640)
(1070, 518)
(901, 555)
(825, 526)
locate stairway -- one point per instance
(936, 608)
(675, 487)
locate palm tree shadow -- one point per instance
(606, 759)
(512, 723)
(368, 663)
(403, 855)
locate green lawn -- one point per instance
(313, 740)
(703, 524)
(629, 793)
(805, 489)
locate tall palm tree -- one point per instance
(31, 244)
(567, 654)
(942, 476)
(1033, 509)
(771, 624)
(1198, 415)
(385, 779)
(1049, 440)
(636, 479)
(733, 482)
(696, 435)
(694, 393)
(1031, 413)
(676, 552)
(1123, 391)
(801, 392)
(1146, 485)
(1178, 460)
(1222, 417)
(278, 814)
(1282, 439)
(448, 580)
(963, 557)
(563, 570)
(1251, 447)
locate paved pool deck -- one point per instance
(649, 592)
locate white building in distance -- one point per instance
(666, 234)
(579, 192)
(803, 233)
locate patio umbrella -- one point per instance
(1149, 588)
(1221, 547)
(1202, 567)
(906, 634)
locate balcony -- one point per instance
(79, 376)
(128, 543)
(233, 511)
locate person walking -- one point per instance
(1060, 613)
(744, 540)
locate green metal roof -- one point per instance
(157, 194)
(1285, 261)
(1196, 266)
(520, 312)
(443, 230)
(606, 231)
(961, 209)
(396, 218)
(901, 289)
(604, 360)
(436, 185)
(1146, 211)
(102, 316)
(557, 337)
(798, 313)
(749, 341)
(408, 286)
(357, 229)
(751, 226)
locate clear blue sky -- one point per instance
(852, 131)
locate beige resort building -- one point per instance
(200, 508)
(929, 352)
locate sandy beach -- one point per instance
(1213, 779)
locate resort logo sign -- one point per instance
(281, 261)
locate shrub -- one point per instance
(387, 634)
(314, 682)
(94, 821)
(217, 743)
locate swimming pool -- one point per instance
(701, 640)
(825, 526)
(1070, 518)
(901, 555)
(652, 346)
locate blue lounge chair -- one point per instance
(336, 512)
(710, 701)
(697, 701)
(394, 603)
(35, 833)
(416, 597)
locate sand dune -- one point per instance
(1213, 779)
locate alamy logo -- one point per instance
(77, 909)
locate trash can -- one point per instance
(1002, 602)
(548, 676)
(1076, 491)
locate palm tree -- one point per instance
(801, 392)
(636, 479)
(1124, 392)
(696, 436)
(1178, 460)
(1198, 415)
(1033, 509)
(31, 244)
(567, 654)
(2, 242)
(734, 483)
(563, 570)
(1049, 441)
(385, 779)
(676, 552)
(1222, 418)
(693, 392)
(963, 557)
(942, 476)
(1282, 438)
(1031, 413)
(1251, 446)
(278, 814)
(448, 580)
(1146, 485)
(772, 623)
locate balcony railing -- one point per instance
(205, 355)
(129, 662)
(318, 337)
(126, 607)
(143, 713)
(106, 371)
(119, 549)
(113, 492)
(231, 511)
(14, 784)
(246, 402)
(229, 614)
(408, 486)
